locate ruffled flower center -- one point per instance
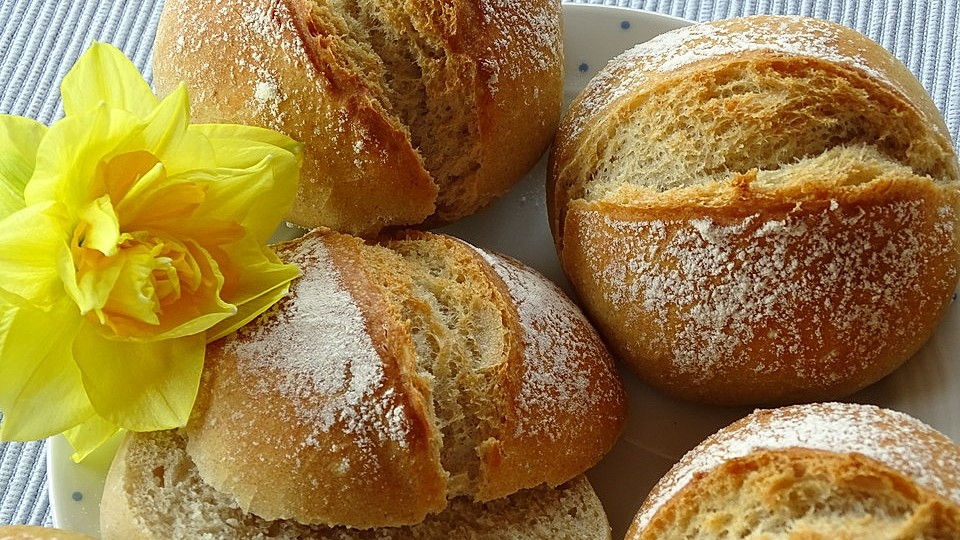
(128, 278)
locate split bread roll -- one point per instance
(819, 471)
(154, 492)
(410, 111)
(758, 210)
(399, 375)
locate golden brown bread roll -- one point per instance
(758, 210)
(823, 470)
(154, 492)
(409, 110)
(398, 375)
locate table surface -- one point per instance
(40, 40)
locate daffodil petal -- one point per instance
(263, 282)
(262, 270)
(129, 295)
(104, 75)
(140, 386)
(166, 200)
(273, 161)
(32, 242)
(90, 435)
(71, 155)
(248, 311)
(255, 198)
(168, 122)
(239, 146)
(191, 151)
(277, 190)
(19, 138)
(91, 284)
(102, 231)
(41, 393)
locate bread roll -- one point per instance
(398, 375)
(154, 492)
(758, 210)
(33, 532)
(830, 471)
(408, 110)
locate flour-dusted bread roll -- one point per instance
(409, 110)
(398, 375)
(758, 210)
(154, 492)
(817, 471)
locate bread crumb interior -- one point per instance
(776, 116)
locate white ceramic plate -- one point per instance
(659, 430)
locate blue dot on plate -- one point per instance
(625, 25)
(583, 67)
(77, 496)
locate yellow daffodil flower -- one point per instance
(129, 238)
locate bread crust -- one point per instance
(827, 470)
(322, 412)
(770, 281)
(443, 114)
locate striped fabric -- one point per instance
(40, 39)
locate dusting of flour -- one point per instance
(807, 284)
(322, 359)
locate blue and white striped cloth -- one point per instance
(41, 39)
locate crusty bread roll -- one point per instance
(758, 210)
(398, 375)
(409, 110)
(817, 471)
(154, 492)
(32, 532)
